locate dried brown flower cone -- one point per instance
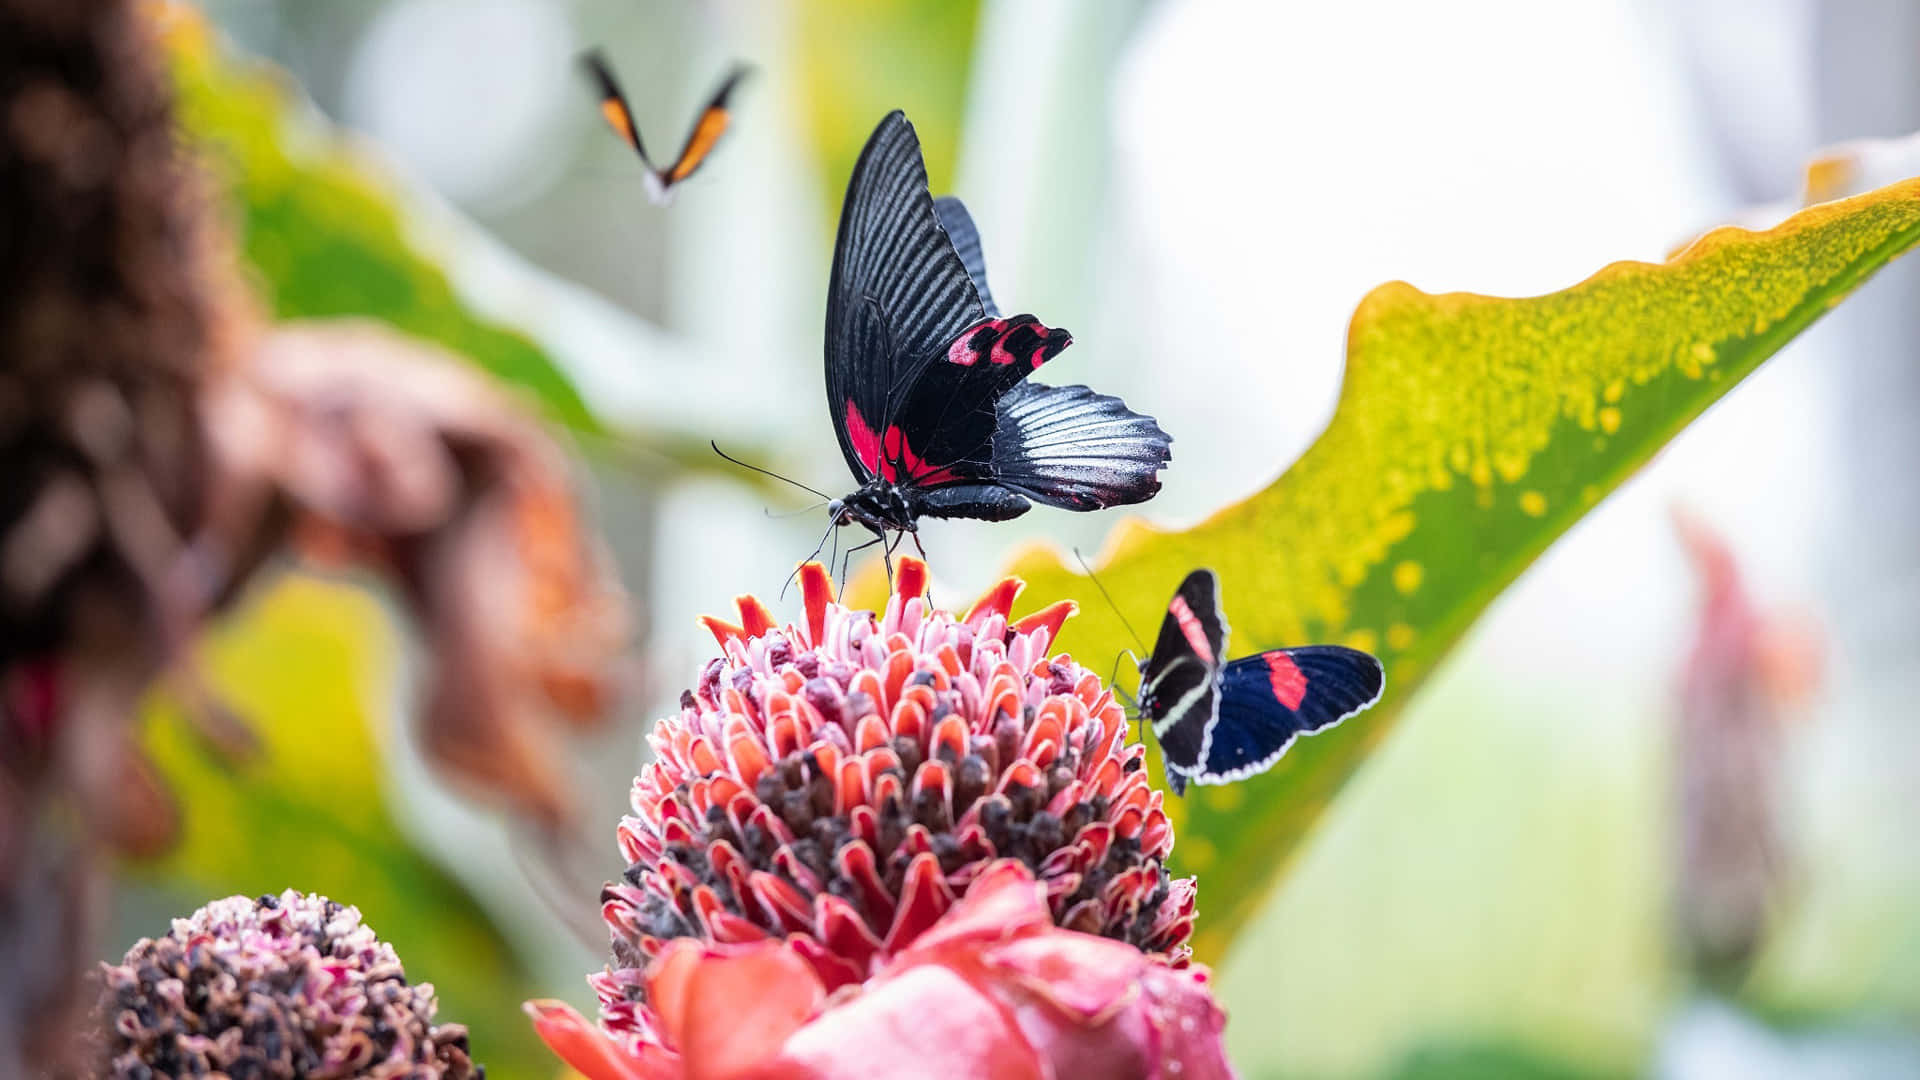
(279, 987)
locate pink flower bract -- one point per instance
(991, 990)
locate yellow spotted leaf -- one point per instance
(1471, 432)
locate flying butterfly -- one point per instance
(1224, 720)
(927, 380)
(712, 123)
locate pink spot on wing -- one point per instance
(1289, 683)
(1190, 627)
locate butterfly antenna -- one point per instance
(767, 472)
(808, 509)
(1109, 596)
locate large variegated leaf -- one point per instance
(1472, 431)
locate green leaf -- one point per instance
(1471, 432)
(322, 231)
(311, 813)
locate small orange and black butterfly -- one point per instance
(706, 131)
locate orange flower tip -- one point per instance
(755, 619)
(997, 601)
(722, 630)
(911, 579)
(1052, 617)
(816, 592)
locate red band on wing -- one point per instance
(891, 456)
(1190, 627)
(897, 449)
(1288, 681)
(866, 445)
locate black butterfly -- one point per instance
(713, 121)
(1219, 721)
(926, 380)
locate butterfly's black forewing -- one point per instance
(899, 296)
(1268, 700)
(1179, 680)
(613, 104)
(1193, 627)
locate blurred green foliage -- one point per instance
(321, 229)
(1471, 432)
(873, 56)
(312, 812)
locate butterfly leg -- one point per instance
(886, 553)
(847, 560)
(832, 525)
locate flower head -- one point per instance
(292, 985)
(991, 989)
(841, 782)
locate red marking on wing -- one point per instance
(1007, 341)
(1288, 681)
(901, 458)
(890, 456)
(866, 445)
(1196, 634)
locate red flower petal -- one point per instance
(910, 579)
(1004, 901)
(924, 897)
(728, 1012)
(755, 619)
(1051, 617)
(588, 1051)
(997, 601)
(816, 592)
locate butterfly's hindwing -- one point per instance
(966, 244)
(1268, 700)
(1072, 448)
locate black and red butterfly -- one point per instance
(707, 129)
(1223, 720)
(927, 381)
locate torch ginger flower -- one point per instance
(856, 819)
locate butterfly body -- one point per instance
(927, 382)
(1220, 720)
